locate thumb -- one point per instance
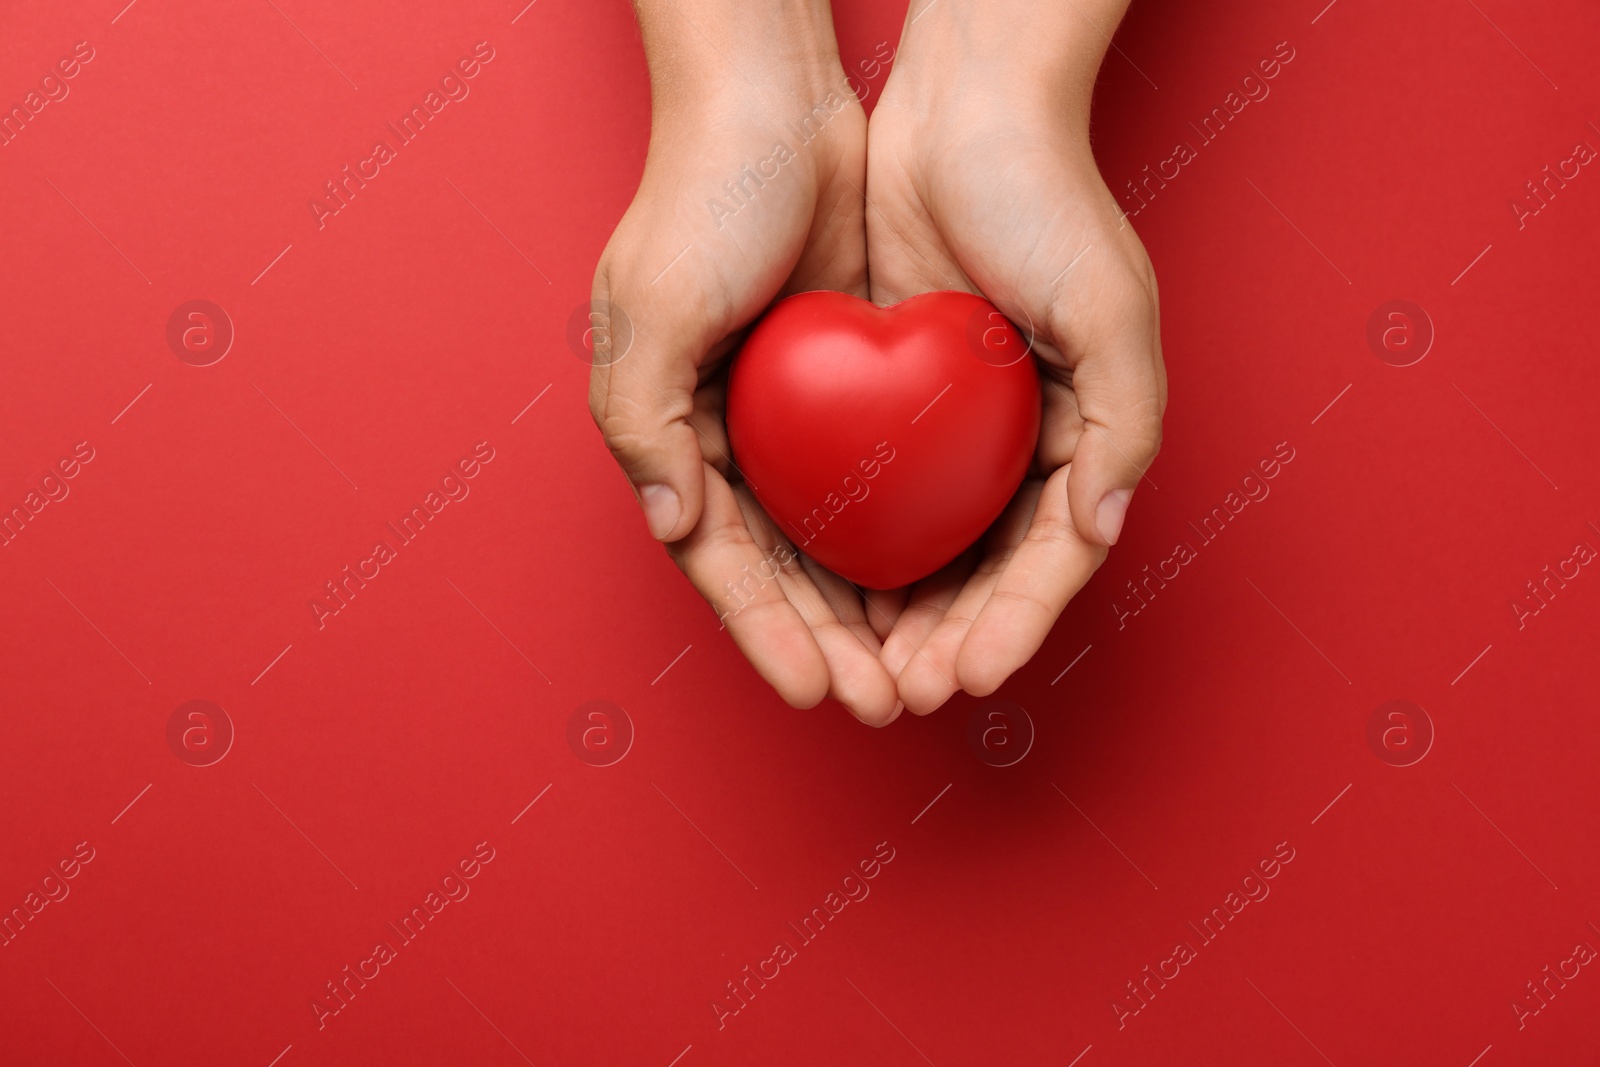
(1120, 388)
(641, 394)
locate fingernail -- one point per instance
(1109, 515)
(661, 509)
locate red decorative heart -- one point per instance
(883, 441)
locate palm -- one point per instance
(690, 277)
(1041, 237)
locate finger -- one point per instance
(641, 394)
(883, 609)
(1040, 574)
(929, 676)
(723, 561)
(1110, 336)
(925, 608)
(832, 608)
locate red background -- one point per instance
(1179, 750)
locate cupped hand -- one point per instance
(748, 194)
(980, 177)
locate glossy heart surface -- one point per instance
(883, 441)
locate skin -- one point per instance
(975, 174)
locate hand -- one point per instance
(980, 177)
(751, 191)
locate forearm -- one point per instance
(746, 47)
(1051, 49)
